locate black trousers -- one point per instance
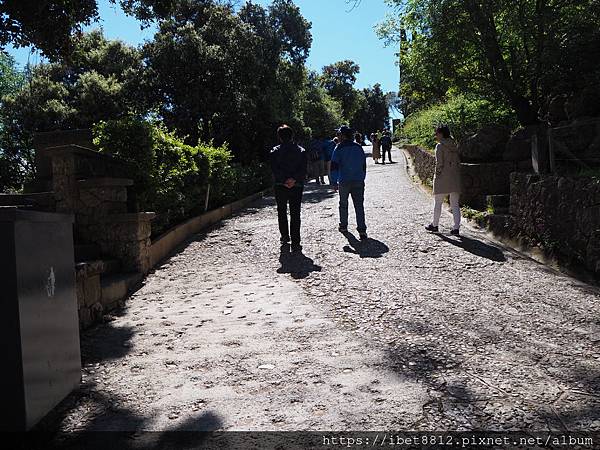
(389, 152)
(293, 196)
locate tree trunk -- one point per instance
(483, 21)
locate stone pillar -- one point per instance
(126, 237)
(64, 183)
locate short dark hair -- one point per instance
(285, 133)
(443, 130)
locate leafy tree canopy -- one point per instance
(518, 52)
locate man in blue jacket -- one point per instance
(288, 164)
(350, 163)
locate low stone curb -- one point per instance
(168, 241)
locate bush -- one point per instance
(172, 178)
(462, 114)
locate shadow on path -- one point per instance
(371, 248)
(476, 247)
(296, 264)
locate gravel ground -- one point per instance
(409, 330)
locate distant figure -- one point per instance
(350, 161)
(358, 138)
(328, 148)
(333, 173)
(376, 152)
(386, 146)
(447, 179)
(288, 164)
(316, 161)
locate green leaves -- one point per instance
(464, 115)
(519, 53)
(45, 24)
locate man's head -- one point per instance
(285, 134)
(442, 132)
(345, 133)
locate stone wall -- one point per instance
(479, 180)
(423, 163)
(560, 214)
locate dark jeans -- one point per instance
(293, 196)
(356, 189)
(389, 152)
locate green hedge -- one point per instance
(172, 178)
(462, 114)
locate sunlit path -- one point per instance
(406, 331)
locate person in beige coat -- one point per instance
(446, 181)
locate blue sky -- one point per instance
(338, 34)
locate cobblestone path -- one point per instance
(407, 331)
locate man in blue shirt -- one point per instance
(349, 162)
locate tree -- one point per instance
(322, 113)
(229, 76)
(373, 112)
(99, 83)
(12, 168)
(520, 52)
(338, 79)
(47, 25)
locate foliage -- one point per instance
(516, 52)
(322, 113)
(13, 168)
(373, 112)
(464, 115)
(171, 177)
(198, 66)
(99, 83)
(47, 25)
(338, 80)
(50, 25)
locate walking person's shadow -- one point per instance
(476, 247)
(369, 248)
(297, 264)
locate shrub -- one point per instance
(464, 116)
(172, 178)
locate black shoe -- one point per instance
(431, 228)
(284, 240)
(455, 232)
(343, 229)
(363, 236)
(296, 248)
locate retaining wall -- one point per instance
(560, 214)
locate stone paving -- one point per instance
(409, 330)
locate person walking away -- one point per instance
(376, 154)
(288, 164)
(350, 162)
(446, 180)
(386, 146)
(314, 161)
(358, 139)
(328, 148)
(321, 167)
